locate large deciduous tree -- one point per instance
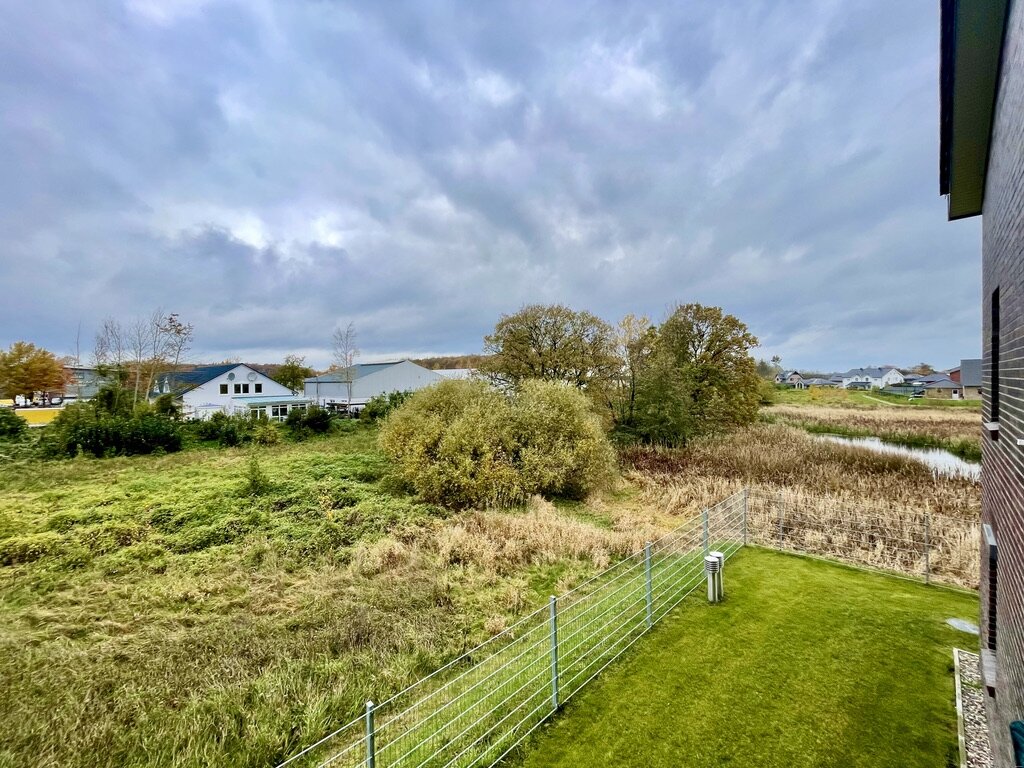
(700, 377)
(550, 342)
(26, 369)
(293, 373)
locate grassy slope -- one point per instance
(857, 399)
(805, 664)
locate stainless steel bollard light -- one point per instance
(713, 569)
(721, 572)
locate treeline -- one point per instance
(689, 375)
(448, 362)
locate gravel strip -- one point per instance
(972, 701)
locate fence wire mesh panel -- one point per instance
(476, 709)
(916, 544)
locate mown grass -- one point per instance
(804, 664)
(851, 398)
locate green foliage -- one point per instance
(698, 379)
(552, 343)
(312, 420)
(226, 431)
(463, 443)
(265, 433)
(380, 406)
(256, 481)
(293, 373)
(86, 428)
(11, 424)
(164, 406)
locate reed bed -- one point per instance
(842, 501)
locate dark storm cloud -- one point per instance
(271, 169)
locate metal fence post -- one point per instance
(650, 592)
(371, 746)
(553, 604)
(782, 515)
(707, 530)
(746, 509)
(927, 549)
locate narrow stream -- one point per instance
(938, 460)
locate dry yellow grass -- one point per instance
(946, 424)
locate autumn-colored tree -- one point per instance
(700, 377)
(26, 369)
(550, 342)
(293, 373)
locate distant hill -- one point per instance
(451, 361)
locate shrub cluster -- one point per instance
(380, 406)
(88, 429)
(313, 420)
(11, 424)
(464, 443)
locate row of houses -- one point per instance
(960, 383)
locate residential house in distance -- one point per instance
(968, 375)
(231, 388)
(817, 381)
(790, 379)
(352, 388)
(870, 378)
(981, 172)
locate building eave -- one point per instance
(971, 53)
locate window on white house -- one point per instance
(238, 389)
(259, 412)
(223, 389)
(245, 389)
(257, 388)
(279, 412)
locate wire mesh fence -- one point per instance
(475, 710)
(919, 545)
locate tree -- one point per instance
(26, 369)
(550, 342)
(700, 379)
(922, 369)
(345, 354)
(293, 373)
(769, 370)
(142, 347)
(635, 340)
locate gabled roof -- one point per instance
(357, 371)
(182, 381)
(970, 372)
(944, 383)
(874, 373)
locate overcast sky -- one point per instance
(269, 170)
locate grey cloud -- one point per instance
(270, 169)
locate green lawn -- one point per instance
(874, 399)
(805, 664)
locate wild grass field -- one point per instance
(209, 608)
(955, 430)
(852, 398)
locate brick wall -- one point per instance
(1003, 475)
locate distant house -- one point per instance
(790, 379)
(944, 388)
(81, 383)
(232, 388)
(817, 381)
(870, 378)
(354, 387)
(969, 378)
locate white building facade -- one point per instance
(875, 378)
(356, 386)
(229, 389)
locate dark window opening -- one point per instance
(258, 388)
(223, 389)
(993, 386)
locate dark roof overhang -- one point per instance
(971, 50)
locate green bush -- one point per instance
(463, 443)
(11, 424)
(29, 548)
(227, 431)
(87, 429)
(380, 406)
(305, 422)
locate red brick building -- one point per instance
(982, 173)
